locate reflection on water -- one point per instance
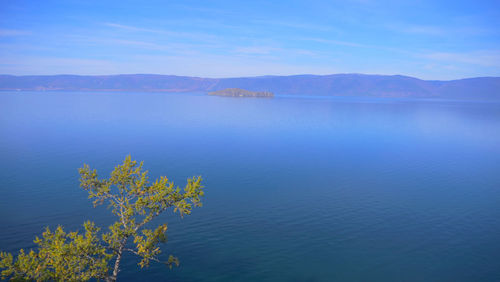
(297, 189)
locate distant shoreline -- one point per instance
(350, 85)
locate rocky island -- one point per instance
(237, 92)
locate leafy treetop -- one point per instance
(135, 201)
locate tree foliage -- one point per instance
(135, 201)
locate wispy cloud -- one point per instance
(227, 65)
(334, 42)
(54, 65)
(296, 25)
(13, 32)
(442, 30)
(360, 45)
(259, 50)
(273, 52)
(191, 35)
(423, 29)
(115, 41)
(132, 28)
(164, 45)
(204, 10)
(486, 58)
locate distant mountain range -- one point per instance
(480, 88)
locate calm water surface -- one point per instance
(297, 189)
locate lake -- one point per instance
(297, 188)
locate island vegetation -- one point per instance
(237, 92)
(135, 201)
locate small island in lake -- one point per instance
(237, 92)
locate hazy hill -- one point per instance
(326, 85)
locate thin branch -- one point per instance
(151, 258)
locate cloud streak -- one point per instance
(486, 58)
(335, 42)
(442, 30)
(295, 25)
(190, 35)
(13, 32)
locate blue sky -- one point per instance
(425, 39)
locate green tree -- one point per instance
(135, 201)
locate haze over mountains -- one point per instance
(480, 88)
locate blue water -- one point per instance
(297, 189)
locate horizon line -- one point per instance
(257, 76)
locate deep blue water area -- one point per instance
(297, 189)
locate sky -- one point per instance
(427, 39)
